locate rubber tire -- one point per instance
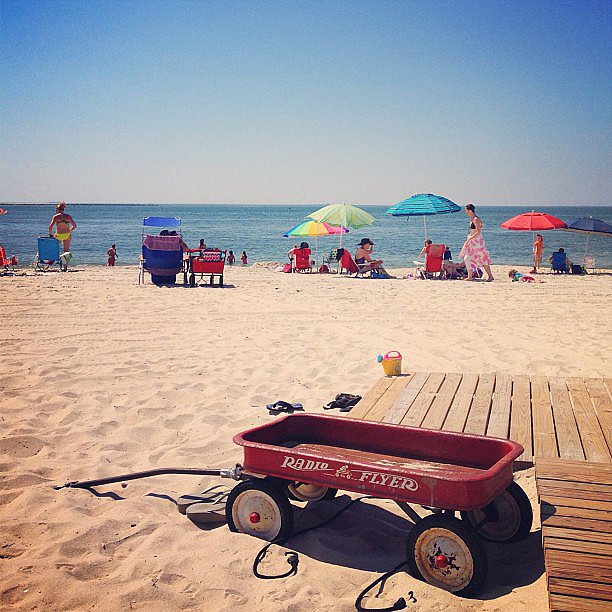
(292, 493)
(272, 491)
(464, 533)
(221, 281)
(525, 514)
(192, 282)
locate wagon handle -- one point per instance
(86, 484)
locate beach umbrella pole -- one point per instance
(425, 226)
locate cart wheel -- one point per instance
(259, 509)
(221, 281)
(507, 518)
(309, 492)
(212, 280)
(446, 553)
(192, 280)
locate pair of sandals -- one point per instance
(280, 406)
(343, 401)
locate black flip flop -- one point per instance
(280, 406)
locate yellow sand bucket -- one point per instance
(391, 363)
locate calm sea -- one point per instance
(259, 229)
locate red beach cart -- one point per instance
(206, 262)
(308, 457)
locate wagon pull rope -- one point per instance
(293, 560)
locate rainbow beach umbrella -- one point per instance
(314, 229)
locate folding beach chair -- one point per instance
(48, 254)
(559, 263)
(332, 260)
(433, 262)
(7, 263)
(348, 263)
(206, 262)
(162, 255)
(302, 261)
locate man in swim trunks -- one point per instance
(64, 226)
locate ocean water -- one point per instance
(258, 229)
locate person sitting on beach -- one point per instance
(518, 277)
(291, 253)
(425, 248)
(64, 226)
(568, 263)
(231, 258)
(112, 256)
(364, 260)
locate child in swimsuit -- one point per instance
(112, 256)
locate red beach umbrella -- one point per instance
(2, 211)
(534, 222)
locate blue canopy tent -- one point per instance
(590, 227)
(423, 205)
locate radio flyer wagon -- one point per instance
(308, 457)
(206, 262)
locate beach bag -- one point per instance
(286, 268)
(323, 269)
(577, 269)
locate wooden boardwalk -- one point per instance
(565, 426)
(576, 510)
(552, 417)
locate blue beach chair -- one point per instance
(559, 262)
(162, 255)
(48, 254)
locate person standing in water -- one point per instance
(231, 258)
(243, 258)
(474, 251)
(64, 226)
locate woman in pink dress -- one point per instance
(474, 251)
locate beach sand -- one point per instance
(100, 376)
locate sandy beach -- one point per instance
(101, 376)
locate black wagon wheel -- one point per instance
(260, 509)
(303, 491)
(192, 280)
(447, 554)
(507, 518)
(221, 281)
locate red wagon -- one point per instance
(308, 457)
(206, 262)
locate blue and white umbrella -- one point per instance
(590, 227)
(423, 205)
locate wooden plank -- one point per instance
(596, 548)
(593, 440)
(577, 534)
(579, 566)
(441, 405)
(547, 509)
(478, 416)
(417, 412)
(602, 404)
(567, 586)
(406, 398)
(568, 438)
(520, 416)
(384, 404)
(544, 438)
(457, 415)
(578, 503)
(366, 403)
(594, 473)
(576, 523)
(499, 419)
(565, 603)
(548, 488)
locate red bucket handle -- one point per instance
(389, 355)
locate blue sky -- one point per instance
(490, 102)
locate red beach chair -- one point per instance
(206, 262)
(433, 261)
(302, 262)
